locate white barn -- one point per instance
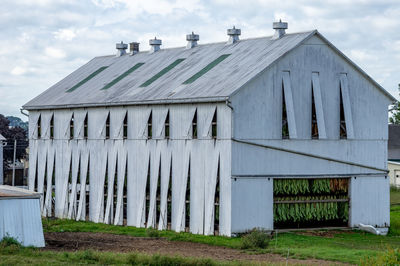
(195, 137)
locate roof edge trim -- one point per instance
(149, 102)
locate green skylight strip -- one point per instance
(123, 75)
(87, 79)
(206, 69)
(162, 72)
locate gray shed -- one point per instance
(2, 144)
(214, 138)
(20, 216)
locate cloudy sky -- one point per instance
(42, 41)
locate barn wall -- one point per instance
(370, 201)
(252, 204)
(258, 148)
(128, 163)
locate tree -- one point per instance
(395, 112)
(17, 122)
(11, 133)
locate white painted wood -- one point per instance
(48, 203)
(319, 109)
(344, 86)
(83, 176)
(165, 180)
(79, 119)
(72, 208)
(291, 117)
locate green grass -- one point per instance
(15, 255)
(394, 196)
(345, 246)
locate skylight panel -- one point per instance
(162, 72)
(98, 71)
(123, 75)
(206, 69)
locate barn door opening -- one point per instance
(311, 202)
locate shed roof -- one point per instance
(208, 73)
(2, 138)
(394, 136)
(8, 192)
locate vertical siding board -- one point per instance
(344, 85)
(84, 166)
(72, 208)
(289, 105)
(165, 180)
(121, 177)
(47, 210)
(318, 106)
(79, 120)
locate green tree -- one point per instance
(395, 112)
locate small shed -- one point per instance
(20, 216)
(2, 143)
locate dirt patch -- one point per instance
(326, 234)
(122, 243)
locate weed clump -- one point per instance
(8, 241)
(151, 232)
(389, 257)
(255, 239)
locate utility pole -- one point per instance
(15, 155)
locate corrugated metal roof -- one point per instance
(15, 192)
(247, 58)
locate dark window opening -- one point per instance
(71, 127)
(285, 126)
(85, 127)
(168, 219)
(217, 201)
(214, 125)
(149, 127)
(39, 127)
(314, 123)
(187, 202)
(126, 126)
(52, 127)
(147, 196)
(194, 125)
(343, 131)
(158, 199)
(167, 126)
(108, 126)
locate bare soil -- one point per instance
(325, 234)
(73, 241)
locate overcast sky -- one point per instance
(42, 41)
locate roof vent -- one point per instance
(154, 45)
(233, 35)
(134, 48)
(279, 28)
(192, 40)
(121, 47)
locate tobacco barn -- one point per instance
(273, 132)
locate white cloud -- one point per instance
(17, 71)
(65, 34)
(43, 41)
(54, 52)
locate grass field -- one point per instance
(343, 246)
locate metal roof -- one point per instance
(2, 138)
(7, 192)
(247, 58)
